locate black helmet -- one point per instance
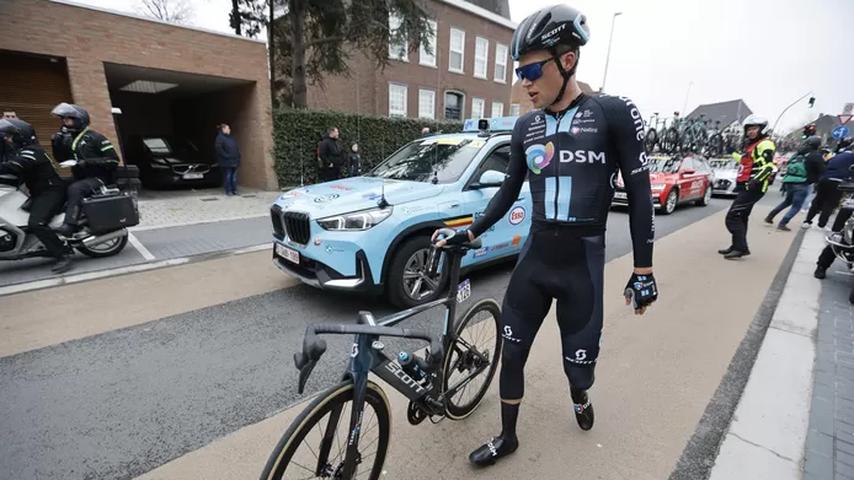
(70, 110)
(548, 28)
(813, 142)
(810, 129)
(21, 132)
(844, 144)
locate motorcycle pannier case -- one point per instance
(106, 213)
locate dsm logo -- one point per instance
(539, 156)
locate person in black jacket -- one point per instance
(330, 156)
(91, 156)
(30, 163)
(355, 163)
(840, 169)
(228, 158)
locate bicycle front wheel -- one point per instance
(315, 444)
(472, 359)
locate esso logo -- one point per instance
(517, 216)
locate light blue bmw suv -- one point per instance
(372, 233)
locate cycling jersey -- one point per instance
(571, 160)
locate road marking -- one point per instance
(87, 276)
(140, 247)
(200, 222)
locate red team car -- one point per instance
(675, 181)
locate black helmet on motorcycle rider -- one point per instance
(79, 117)
(844, 144)
(813, 142)
(17, 133)
(557, 29)
(809, 130)
(754, 120)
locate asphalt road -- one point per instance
(121, 403)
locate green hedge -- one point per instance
(297, 132)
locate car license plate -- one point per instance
(620, 195)
(463, 291)
(288, 254)
(193, 176)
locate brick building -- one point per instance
(165, 79)
(468, 73)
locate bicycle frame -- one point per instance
(367, 356)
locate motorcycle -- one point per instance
(106, 215)
(842, 243)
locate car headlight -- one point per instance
(356, 221)
(657, 187)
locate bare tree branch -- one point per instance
(173, 11)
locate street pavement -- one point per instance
(186, 372)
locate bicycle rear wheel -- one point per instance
(472, 359)
(299, 454)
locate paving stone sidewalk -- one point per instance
(182, 207)
(830, 438)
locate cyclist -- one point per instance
(570, 149)
(757, 165)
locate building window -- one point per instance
(396, 50)
(454, 102)
(426, 104)
(481, 56)
(396, 100)
(514, 109)
(457, 49)
(477, 108)
(500, 75)
(497, 109)
(429, 58)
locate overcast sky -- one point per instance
(768, 52)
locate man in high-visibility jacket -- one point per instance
(757, 165)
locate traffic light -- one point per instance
(812, 102)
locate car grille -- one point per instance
(191, 168)
(722, 183)
(276, 218)
(297, 227)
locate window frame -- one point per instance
(405, 52)
(435, 44)
(462, 51)
(495, 77)
(462, 103)
(482, 107)
(405, 99)
(433, 112)
(492, 111)
(477, 42)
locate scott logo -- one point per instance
(399, 373)
(553, 32)
(582, 156)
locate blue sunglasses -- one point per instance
(532, 71)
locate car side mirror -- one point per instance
(489, 178)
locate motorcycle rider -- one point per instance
(91, 156)
(31, 164)
(757, 165)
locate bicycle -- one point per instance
(431, 391)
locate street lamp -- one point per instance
(685, 105)
(812, 102)
(608, 57)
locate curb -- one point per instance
(112, 272)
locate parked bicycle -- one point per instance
(322, 443)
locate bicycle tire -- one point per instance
(650, 139)
(453, 410)
(314, 413)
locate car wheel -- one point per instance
(670, 202)
(408, 283)
(707, 197)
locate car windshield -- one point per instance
(170, 146)
(442, 158)
(664, 165)
(723, 164)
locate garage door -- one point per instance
(32, 86)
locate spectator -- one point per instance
(228, 158)
(355, 166)
(802, 170)
(425, 132)
(827, 194)
(330, 156)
